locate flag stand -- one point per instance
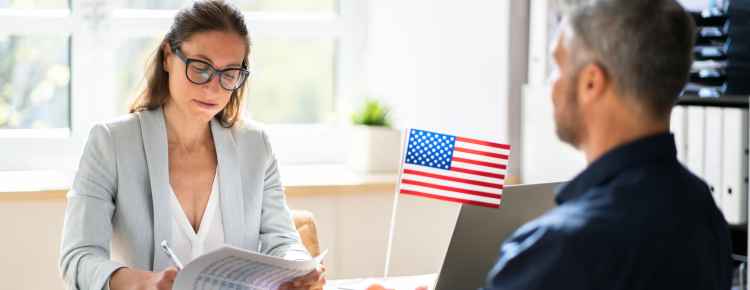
(390, 236)
(392, 227)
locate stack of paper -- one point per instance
(238, 269)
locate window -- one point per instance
(292, 82)
(34, 81)
(325, 6)
(295, 78)
(65, 65)
(34, 4)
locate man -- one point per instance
(635, 218)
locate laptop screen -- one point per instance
(480, 231)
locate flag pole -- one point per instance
(390, 236)
(392, 227)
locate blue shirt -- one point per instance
(634, 219)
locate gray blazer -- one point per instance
(119, 199)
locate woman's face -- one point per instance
(220, 49)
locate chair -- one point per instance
(304, 221)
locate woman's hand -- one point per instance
(312, 281)
(132, 279)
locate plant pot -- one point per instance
(374, 149)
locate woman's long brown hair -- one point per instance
(202, 16)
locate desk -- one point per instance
(397, 283)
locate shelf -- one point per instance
(724, 101)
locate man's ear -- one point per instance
(167, 50)
(593, 83)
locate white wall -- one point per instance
(455, 67)
(446, 65)
(29, 244)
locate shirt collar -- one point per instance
(636, 153)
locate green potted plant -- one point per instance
(375, 145)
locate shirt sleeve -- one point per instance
(278, 237)
(536, 257)
(87, 228)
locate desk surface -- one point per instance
(46, 185)
(397, 283)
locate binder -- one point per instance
(735, 159)
(695, 139)
(677, 123)
(713, 152)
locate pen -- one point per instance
(319, 258)
(171, 255)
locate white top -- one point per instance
(185, 242)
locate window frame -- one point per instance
(94, 26)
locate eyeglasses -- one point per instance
(200, 72)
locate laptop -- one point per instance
(480, 231)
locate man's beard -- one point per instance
(567, 123)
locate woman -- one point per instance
(181, 167)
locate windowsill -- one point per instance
(51, 185)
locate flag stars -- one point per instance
(430, 149)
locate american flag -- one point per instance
(453, 168)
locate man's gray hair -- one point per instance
(645, 46)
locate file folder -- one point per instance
(713, 152)
(695, 139)
(677, 124)
(735, 160)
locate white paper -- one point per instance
(230, 268)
